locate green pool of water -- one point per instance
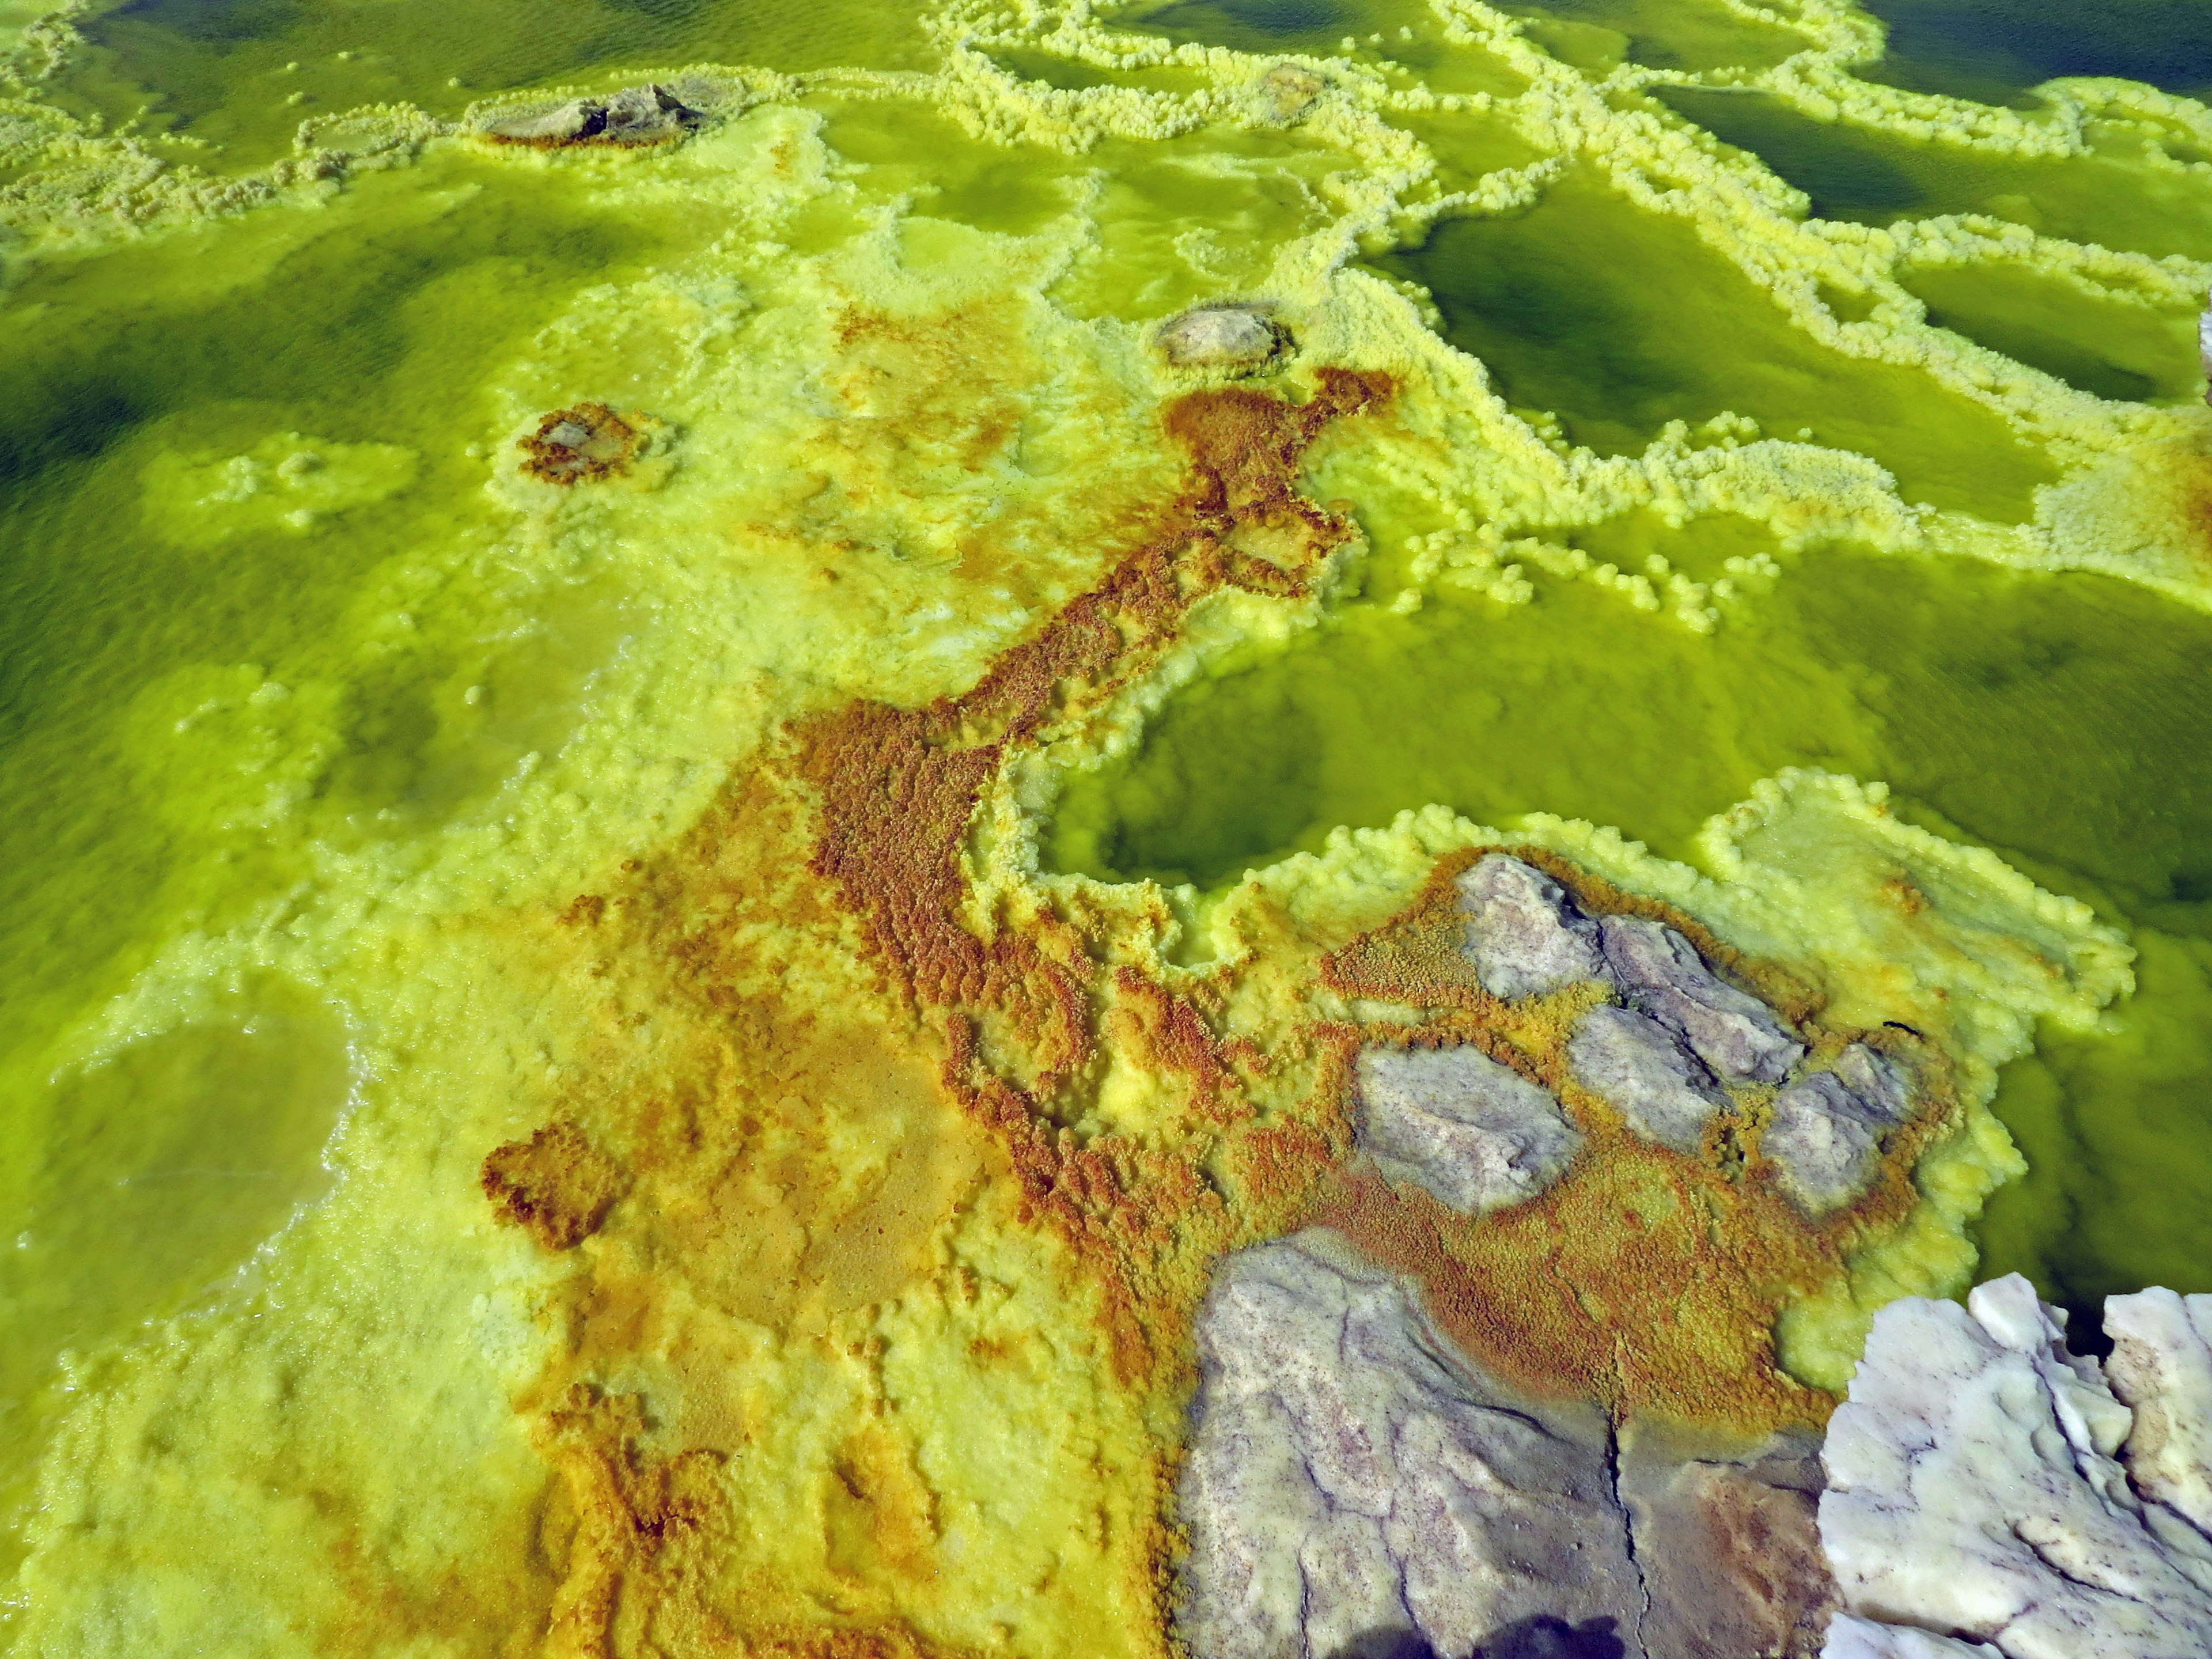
(1854, 172)
(1619, 321)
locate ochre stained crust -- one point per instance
(811, 969)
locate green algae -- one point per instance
(374, 322)
(1618, 322)
(1995, 50)
(1598, 35)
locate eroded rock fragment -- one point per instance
(1973, 1489)
(1473, 1133)
(2161, 1368)
(1354, 1487)
(1635, 1066)
(1226, 336)
(1825, 1135)
(1524, 934)
(650, 114)
(1661, 974)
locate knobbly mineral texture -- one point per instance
(1975, 1486)
(2161, 1367)
(1222, 337)
(1473, 1133)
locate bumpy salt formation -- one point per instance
(1353, 1487)
(1473, 1133)
(1667, 1060)
(1660, 973)
(1977, 1485)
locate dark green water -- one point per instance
(1993, 50)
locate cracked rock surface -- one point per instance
(1634, 1065)
(1524, 934)
(1353, 1487)
(1728, 1546)
(1976, 1487)
(1826, 1135)
(1661, 974)
(1474, 1133)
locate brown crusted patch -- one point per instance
(1648, 1279)
(554, 1184)
(817, 1056)
(581, 442)
(897, 789)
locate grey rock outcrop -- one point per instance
(1524, 935)
(1975, 1486)
(1660, 973)
(1635, 1066)
(1473, 1134)
(1353, 1486)
(1825, 1135)
(1228, 335)
(649, 114)
(1728, 1543)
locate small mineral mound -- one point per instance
(585, 441)
(650, 114)
(1236, 336)
(1290, 91)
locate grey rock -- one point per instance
(636, 115)
(1226, 336)
(1635, 1066)
(1472, 1132)
(1524, 935)
(1354, 1487)
(1973, 1489)
(564, 123)
(1661, 973)
(1825, 1136)
(1728, 1543)
(646, 115)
